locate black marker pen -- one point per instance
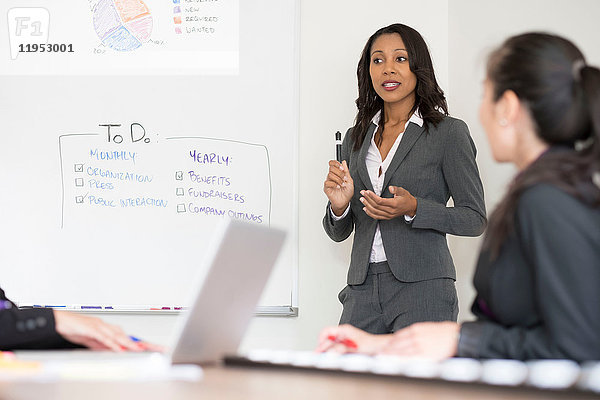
(338, 146)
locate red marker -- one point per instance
(346, 342)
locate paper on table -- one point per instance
(13, 369)
(101, 367)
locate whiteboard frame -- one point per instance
(261, 311)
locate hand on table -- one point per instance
(434, 340)
(348, 339)
(96, 334)
(377, 207)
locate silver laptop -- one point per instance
(237, 266)
(240, 261)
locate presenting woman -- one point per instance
(538, 273)
(402, 161)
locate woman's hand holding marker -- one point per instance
(338, 186)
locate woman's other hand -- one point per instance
(377, 207)
(434, 340)
(339, 186)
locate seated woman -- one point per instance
(538, 273)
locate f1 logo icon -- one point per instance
(27, 25)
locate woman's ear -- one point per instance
(506, 116)
(508, 108)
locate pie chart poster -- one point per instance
(120, 37)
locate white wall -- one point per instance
(333, 32)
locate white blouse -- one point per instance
(374, 164)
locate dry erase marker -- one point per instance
(139, 342)
(338, 146)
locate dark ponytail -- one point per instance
(590, 83)
(549, 75)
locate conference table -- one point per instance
(250, 383)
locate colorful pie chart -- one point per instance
(122, 25)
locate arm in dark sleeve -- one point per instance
(467, 217)
(28, 329)
(337, 230)
(562, 241)
(341, 229)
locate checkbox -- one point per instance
(79, 199)
(79, 182)
(179, 192)
(179, 175)
(180, 208)
(78, 167)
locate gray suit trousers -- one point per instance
(383, 304)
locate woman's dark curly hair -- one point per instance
(429, 98)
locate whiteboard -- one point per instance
(113, 180)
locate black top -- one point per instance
(28, 329)
(541, 297)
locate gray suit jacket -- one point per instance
(432, 165)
